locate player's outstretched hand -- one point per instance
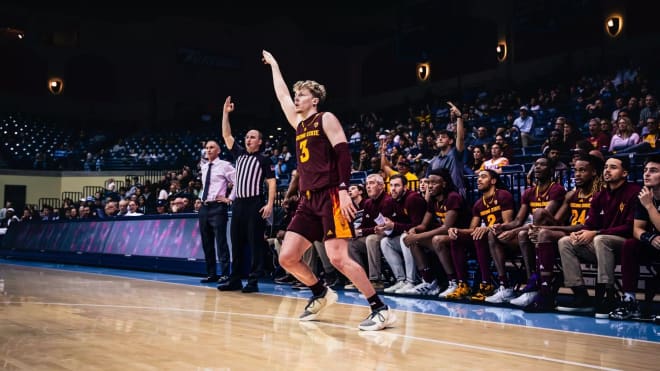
(268, 58)
(228, 106)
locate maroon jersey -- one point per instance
(439, 210)
(579, 207)
(536, 200)
(317, 162)
(408, 212)
(490, 210)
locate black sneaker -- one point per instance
(223, 279)
(626, 310)
(287, 279)
(300, 286)
(541, 304)
(209, 279)
(580, 304)
(605, 307)
(331, 279)
(250, 287)
(232, 285)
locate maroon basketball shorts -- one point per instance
(319, 218)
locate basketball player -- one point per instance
(326, 209)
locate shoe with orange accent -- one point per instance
(485, 290)
(462, 291)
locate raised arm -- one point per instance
(281, 90)
(385, 165)
(460, 127)
(226, 128)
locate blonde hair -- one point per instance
(629, 126)
(314, 87)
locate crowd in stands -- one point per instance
(543, 134)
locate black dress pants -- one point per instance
(213, 229)
(247, 238)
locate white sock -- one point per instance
(629, 297)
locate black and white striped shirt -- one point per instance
(252, 169)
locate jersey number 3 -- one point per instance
(304, 151)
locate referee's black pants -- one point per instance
(247, 232)
(213, 229)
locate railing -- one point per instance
(91, 190)
(74, 196)
(49, 201)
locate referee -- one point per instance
(248, 210)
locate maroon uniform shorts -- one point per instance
(319, 218)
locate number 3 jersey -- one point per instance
(317, 162)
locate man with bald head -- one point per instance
(213, 215)
(249, 211)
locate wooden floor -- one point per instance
(62, 320)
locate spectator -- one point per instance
(449, 156)
(3, 211)
(27, 215)
(482, 139)
(556, 139)
(571, 134)
(497, 161)
(281, 169)
(597, 138)
(619, 104)
(649, 111)
(553, 154)
(477, 160)
(625, 136)
(161, 207)
(110, 210)
(133, 209)
(9, 218)
(507, 149)
(524, 125)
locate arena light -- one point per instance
(423, 71)
(614, 25)
(10, 33)
(501, 50)
(55, 85)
